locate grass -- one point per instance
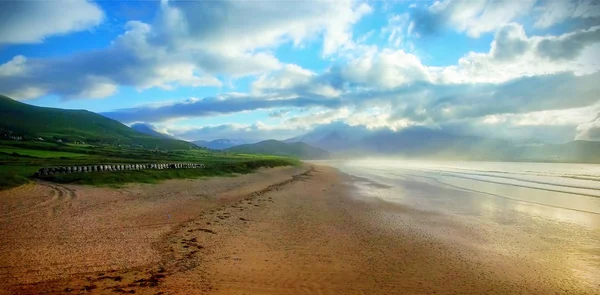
(19, 160)
(38, 153)
(116, 179)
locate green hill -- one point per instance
(29, 122)
(273, 147)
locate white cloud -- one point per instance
(99, 88)
(32, 21)
(13, 67)
(387, 69)
(241, 26)
(514, 55)
(294, 79)
(289, 77)
(396, 29)
(318, 116)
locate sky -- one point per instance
(523, 70)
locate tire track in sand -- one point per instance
(54, 196)
(180, 250)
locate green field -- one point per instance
(38, 153)
(19, 160)
(33, 137)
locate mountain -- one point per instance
(274, 147)
(148, 129)
(333, 137)
(220, 144)
(421, 142)
(51, 124)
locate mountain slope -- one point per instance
(52, 124)
(334, 137)
(274, 147)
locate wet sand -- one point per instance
(307, 234)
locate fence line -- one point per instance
(113, 167)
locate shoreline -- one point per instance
(312, 233)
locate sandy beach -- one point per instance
(281, 231)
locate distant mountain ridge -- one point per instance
(220, 144)
(420, 142)
(53, 124)
(274, 147)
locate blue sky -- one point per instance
(276, 69)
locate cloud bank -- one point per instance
(542, 61)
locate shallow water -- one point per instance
(538, 210)
(557, 192)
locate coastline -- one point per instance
(312, 233)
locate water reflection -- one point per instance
(534, 211)
(432, 188)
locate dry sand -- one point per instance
(305, 234)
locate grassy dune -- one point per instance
(20, 160)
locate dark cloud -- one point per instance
(420, 102)
(214, 106)
(589, 130)
(528, 94)
(568, 46)
(510, 42)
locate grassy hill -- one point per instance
(29, 122)
(273, 147)
(34, 137)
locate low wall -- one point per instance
(113, 167)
